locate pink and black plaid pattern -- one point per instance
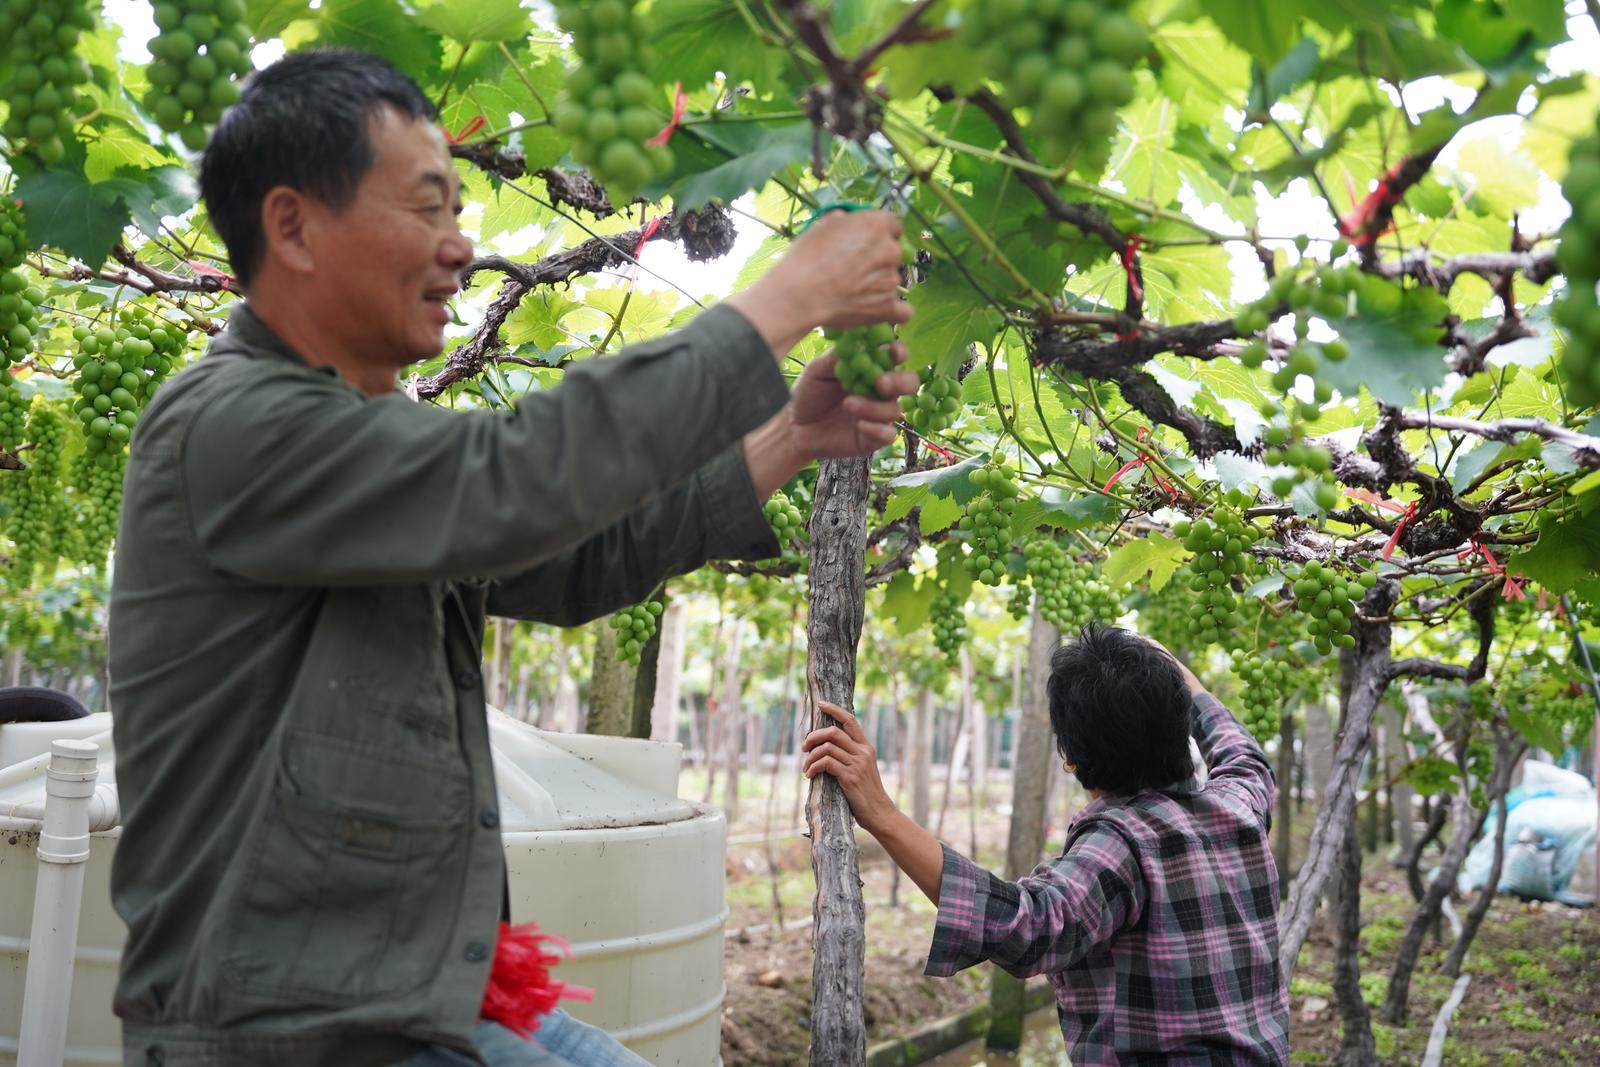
(1158, 924)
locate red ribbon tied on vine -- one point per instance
(1511, 589)
(1409, 514)
(1130, 267)
(648, 232)
(466, 131)
(1385, 197)
(679, 102)
(1139, 461)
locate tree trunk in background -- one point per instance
(1030, 788)
(959, 753)
(1319, 747)
(731, 712)
(978, 729)
(1283, 832)
(669, 674)
(920, 743)
(520, 701)
(1505, 764)
(566, 713)
(712, 732)
(645, 678)
(610, 685)
(1401, 752)
(1375, 763)
(837, 604)
(497, 691)
(1359, 1048)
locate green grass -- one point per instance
(1374, 987)
(1531, 973)
(1517, 1015)
(1306, 1055)
(1516, 957)
(1571, 953)
(1310, 987)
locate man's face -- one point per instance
(391, 260)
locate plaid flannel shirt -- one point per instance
(1157, 925)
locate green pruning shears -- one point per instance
(837, 205)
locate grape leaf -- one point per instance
(938, 513)
(777, 148)
(1263, 28)
(694, 39)
(383, 28)
(1155, 554)
(1566, 553)
(477, 20)
(950, 316)
(82, 218)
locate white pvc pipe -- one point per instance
(63, 850)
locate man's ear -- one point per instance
(285, 222)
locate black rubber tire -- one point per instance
(33, 703)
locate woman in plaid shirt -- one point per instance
(1158, 923)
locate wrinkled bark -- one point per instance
(1284, 830)
(1025, 841)
(1359, 1048)
(837, 604)
(610, 685)
(1369, 670)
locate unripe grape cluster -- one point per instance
(1068, 61)
(35, 518)
(1267, 680)
(935, 405)
(1069, 593)
(607, 110)
(635, 626)
(1309, 463)
(1330, 599)
(861, 356)
(1578, 312)
(98, 478)
(988, 520)
(200, 48)
(19, 301)
(118, 370)
(787, 524)
(1325, 294)
(1219, 545)
(41, 38)
(947, 615)
(1021, 602)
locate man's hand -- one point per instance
(844, 752)
(843, 272)
(822, 421)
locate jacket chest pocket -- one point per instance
(353, 883)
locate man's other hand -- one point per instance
(829, 423)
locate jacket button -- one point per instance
(467, 679)
(489, 819)
(476, 952)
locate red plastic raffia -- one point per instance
(679, 102)
(520, 989)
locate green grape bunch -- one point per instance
(1325, 293)
(1020, 603)
(98, 479)
(606, 110)
(19, 316)
(13, 414)
(39, 499)
(1068, 61)
(1578, 311)
(788, 526)
(1308, 463)
(1330, 599)
(988, 520)
(118, 370)
(947, 614)
(41, 40)
(1220, 555)
(861, 356)
(13, 234)
(1070, 596)
(1266, 682)
(199, 51)
(635, 626)
(935, 406)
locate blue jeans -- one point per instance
(560, 1041)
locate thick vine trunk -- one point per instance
(1370, 661)
(1359, 1047)
(837, 604)
(1030, 788)
(1285, 827)
(1430, 833)
(1466, 824)
(1505, 763)
(610, 685)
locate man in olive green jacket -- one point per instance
(310, 866)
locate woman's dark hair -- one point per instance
(301, 122)
(1121, 711)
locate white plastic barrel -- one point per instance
(599, 850)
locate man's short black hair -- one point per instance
(302, 122)
(1121, 711)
